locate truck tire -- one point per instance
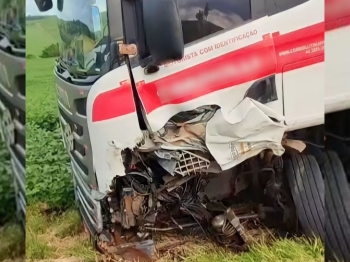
(337, 209)
(307, 188)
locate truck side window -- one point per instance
(277, 6)
(201, 18)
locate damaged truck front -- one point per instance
(222, 176)
(189, 115)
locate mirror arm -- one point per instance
(126, 49)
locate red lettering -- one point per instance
(215, 46)
(206, 50)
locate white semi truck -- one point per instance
(209, 114)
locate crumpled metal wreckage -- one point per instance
(206, 170)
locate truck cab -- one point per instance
(220, 83)
(253, 51)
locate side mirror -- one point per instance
(60, 5)
(43, 5)
(163, 30)
(96, 20)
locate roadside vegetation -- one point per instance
(11, 234)
(54, 228)
(7, 197)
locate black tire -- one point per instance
(337, 209)
(307, 188)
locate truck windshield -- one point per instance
(12, 23)
(84, 35)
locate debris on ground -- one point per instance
(175, 247)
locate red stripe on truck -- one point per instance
(234, 68)
(258, 60)
(336, 9)
(299, 46)
(337, 14)
(336, 24)
(113, 103)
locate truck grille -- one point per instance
(78, 151)
(13, 118)
(72, 109)
(18, 118)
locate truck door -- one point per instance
(298, 35)
(229, 54)
(337, 37)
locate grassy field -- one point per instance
(42, 33)
(11, 235)
(54, 229)
(7, 198)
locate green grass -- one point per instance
(41, 96)
(7, 197)
(296, 250)
(48, 170)
(11, 234)
(40, 34)
(49, 236)
(11, 242)
(53, 236)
